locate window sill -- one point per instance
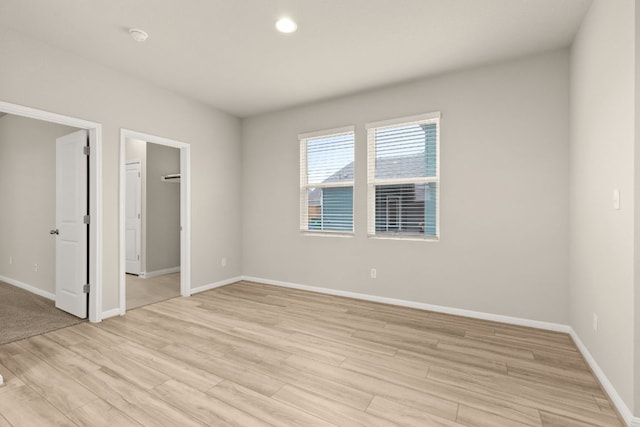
(401, 237)
(327, 234)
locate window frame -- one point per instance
(373, 182)
(305, 186)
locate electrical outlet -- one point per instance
(595, 322)
(223, 262)
(10, 260)
(374, 273)
(35, 267)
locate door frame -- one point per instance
(185, 209)
(95, 193)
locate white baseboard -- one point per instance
(148, 274)
(419, 305)
(110, 313)
(624, 410)
(215, 285)
(26, 287)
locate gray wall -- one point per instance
(163, 209)
(504, 194)
(602, 158)
(28, 199)
(47, 78)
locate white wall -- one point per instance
(504, 191)
(39, 76)
(602, 158)
(28, 200)
(163, 209)
(136, 150)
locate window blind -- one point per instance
(326, 181)
(403, 177)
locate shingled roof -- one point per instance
(386, 168)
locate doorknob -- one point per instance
(54, 231)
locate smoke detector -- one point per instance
(138, 34)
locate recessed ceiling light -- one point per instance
(286, 25)
(138, 34)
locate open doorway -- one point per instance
(152, 222)
(154, 219)
(32, 260)
(86, 267)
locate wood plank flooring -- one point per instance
(151, 290)
(256, 355)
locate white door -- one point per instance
(133, 208)
(72, 232)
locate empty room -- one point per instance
(336, 213)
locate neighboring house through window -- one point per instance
(326, 180)
(404, 177)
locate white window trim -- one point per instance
(304, 184)
(327, 132)
(372, 181)
(404, 120)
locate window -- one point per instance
(326, 181)
(404, 177)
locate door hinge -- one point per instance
(87, 219)
(138, 257)
(86, 150)
(86, 288)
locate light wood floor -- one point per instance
(154, 289)
(249, 354)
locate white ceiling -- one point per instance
(227, 54)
